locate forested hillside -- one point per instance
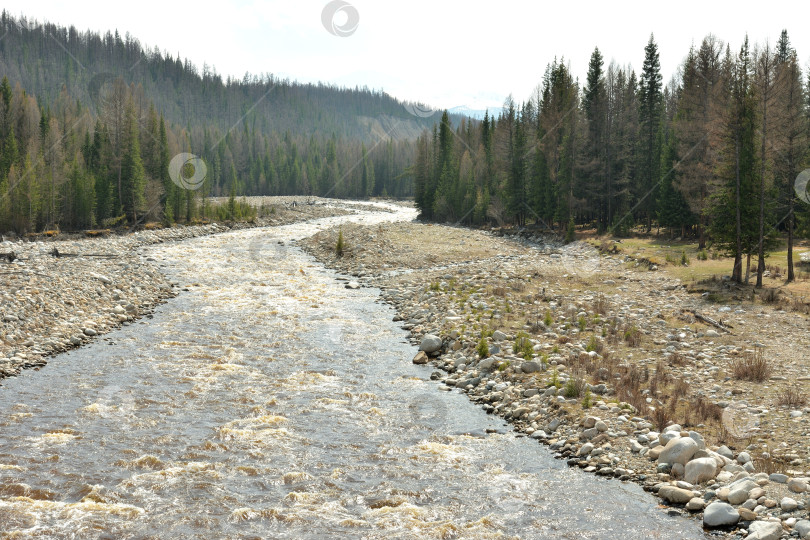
(89, 124)
(714, 153)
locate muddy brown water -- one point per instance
(269, 401)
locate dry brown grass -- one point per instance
(601, 304)
(707, 411)
(769, 464)
(661, 418)
(632, 335)
(769, 296)
(500, 290)
(791, 396)
(751, 367)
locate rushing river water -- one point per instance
(269, 401)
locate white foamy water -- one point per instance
(268, 401)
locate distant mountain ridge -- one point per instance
(477, 114)
(47, 59)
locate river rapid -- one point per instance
(269, 401)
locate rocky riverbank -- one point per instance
(609, 361)
(52, 301)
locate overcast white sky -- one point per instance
(443, 53)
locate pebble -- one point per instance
(788, 505)
(797, 485)
(764, 530)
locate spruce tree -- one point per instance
(735, 208)
(133, 177)
(649, 121)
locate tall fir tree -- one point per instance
(650, 100)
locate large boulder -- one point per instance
(720, 514)
(430, 343)
(675, 495)
(488, 363)
(678, 450)
(764, 530)
(700, 470)
(530, 367)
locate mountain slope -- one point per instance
(47, 59)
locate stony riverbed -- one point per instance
(49, 303)
(582, 349)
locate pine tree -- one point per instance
(133, 178)
(595, 156)
(517, 184)
(650, 120)
(701, 98)
(672, 209)
(447, 171)
(791, 135)
(734, 207)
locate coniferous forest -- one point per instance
(89, 124)
(715, 153)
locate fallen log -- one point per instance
(710, 321)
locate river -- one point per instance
(269, 401)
